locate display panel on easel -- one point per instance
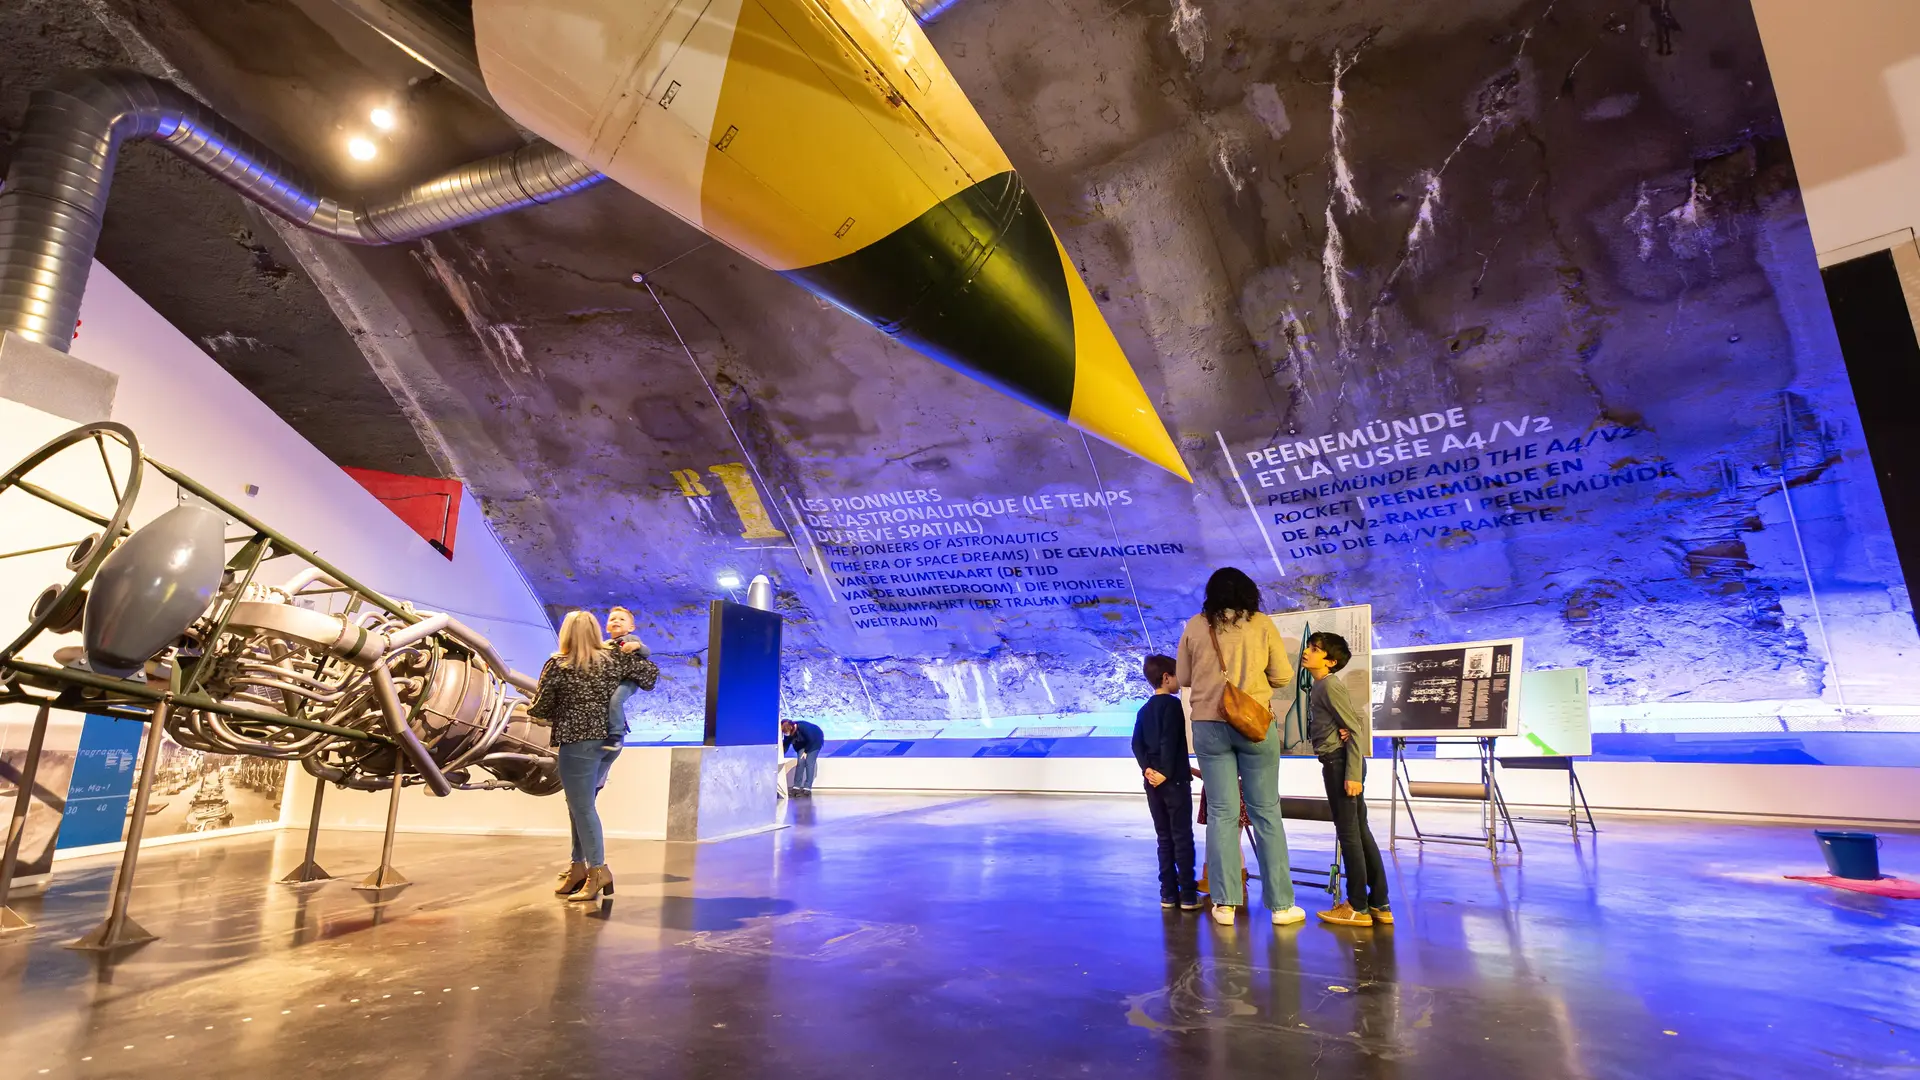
(1354, 623)
(1555, 721)
(1466, 689)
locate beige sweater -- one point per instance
(1255, 663)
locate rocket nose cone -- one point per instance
(980, 283)
(1108, 401)
(152, 588)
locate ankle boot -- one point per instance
(571, 879)
(599, 881)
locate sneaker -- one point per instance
(1381, 916)
(1168, 901)
(1223, 914)
(1289, 917)
(1344, 915)
(1190, 903)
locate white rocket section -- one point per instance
(613, 82)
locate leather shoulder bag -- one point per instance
(1245, 715)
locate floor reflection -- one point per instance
(969, 937)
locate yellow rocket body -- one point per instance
(826, 140)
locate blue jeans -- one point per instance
(803, 772)
(583, 771)
(1230, 764)
(617, 711)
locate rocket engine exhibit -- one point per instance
(180, 630)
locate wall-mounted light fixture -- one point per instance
(382, 118)
(728, 580)
(361, 148)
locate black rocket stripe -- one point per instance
(975, 283)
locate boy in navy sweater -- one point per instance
(1160, 747)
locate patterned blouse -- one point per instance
(575, 700)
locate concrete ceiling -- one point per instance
(1184, 150)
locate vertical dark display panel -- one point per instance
(743, 675)
(1875, 326)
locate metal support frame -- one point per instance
(1328, 880)
(309, 870)
(1496, 822)
(119, 931)
(385, 876)
(11, 920)
(1578, 812)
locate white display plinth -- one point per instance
(701, 793)
(717, 792)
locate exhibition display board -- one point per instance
(1467, 689)
(1554, 717)
(1353, 623)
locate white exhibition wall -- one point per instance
(1790, 792)
(1848, 78)
(189, 413)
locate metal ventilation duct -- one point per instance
(56, 189)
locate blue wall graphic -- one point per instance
(103, 775)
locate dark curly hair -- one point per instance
(1229, 589)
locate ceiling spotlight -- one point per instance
(362, 148)
(382, 118)
(728, 579)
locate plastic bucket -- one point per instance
(1851, 854)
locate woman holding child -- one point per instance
(575, 698)
(1230, 640)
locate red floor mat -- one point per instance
(1898, 888)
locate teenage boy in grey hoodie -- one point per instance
(1341, 735)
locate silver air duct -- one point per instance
(56, 188)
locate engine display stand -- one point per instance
(119, 930)
(385, 876)
(309, 870)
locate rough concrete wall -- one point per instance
(1568, 230)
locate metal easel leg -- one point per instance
(1393, 800)
(1573, 815)
(1498, 802)
(386, 877)
(1404, 792)
(1581, 790)
(309, 870)
(11, 920)
(1487, 818)
(119, 931)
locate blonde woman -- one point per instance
(1231, 639)
(576, 690)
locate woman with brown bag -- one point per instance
(1231, 656)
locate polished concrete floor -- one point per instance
(919, 937)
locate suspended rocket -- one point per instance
(826, 140)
